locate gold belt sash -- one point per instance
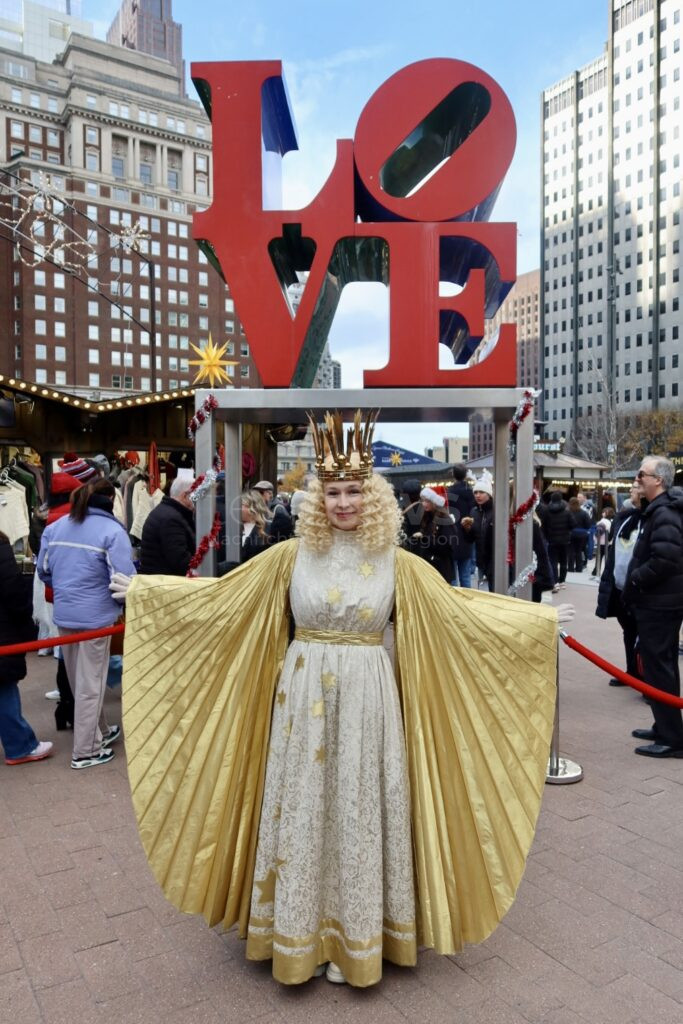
(324, 636)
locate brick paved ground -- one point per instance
(596, 933)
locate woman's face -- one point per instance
(247, 515)
(343, 503)
(481, 497)
(427, 505)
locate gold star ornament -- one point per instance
(329, 680)
(366, 569)
(211, 364)
(396, 459)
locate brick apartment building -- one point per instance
(109, 132)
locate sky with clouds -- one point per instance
(336, 55)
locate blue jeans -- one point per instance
(463, 576)
(17, 736)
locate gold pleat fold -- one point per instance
(476, 674)
(201, 661)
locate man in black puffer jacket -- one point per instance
(168, 536)
(654, 593)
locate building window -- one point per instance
(118, 166)
(41, 376)
(41, 352)
(93, 355)
(173, 180)
(40, 327)
(116, 380)
(93, 380)
(60, 354)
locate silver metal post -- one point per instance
(204, 450)
(232, 440)
(501, 506)
(524, 482)
(561, 771)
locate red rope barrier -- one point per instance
(60, 641)
(606, 666)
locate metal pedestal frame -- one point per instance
(276, 406)
(561, 771)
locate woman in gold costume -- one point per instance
(337, 810)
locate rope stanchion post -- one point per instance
(561, 771)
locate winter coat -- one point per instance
(255, 542)
(544, 577)
(168, 539)
(280, 526)
(78, 560)
(481, 532)
(557, 522)
(16, 621)
(609, 596)
(655, 574)
(460, 504)
(436, 541)
(581, 523)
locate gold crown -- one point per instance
(336, 460)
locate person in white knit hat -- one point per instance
(480, 528)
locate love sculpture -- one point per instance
(406, 204)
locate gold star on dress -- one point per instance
(318, 708)
(211, 364)
(277, 813)
(334, 596)
(299, 663)
(365, 614)
(281, 697)
(329, 680)
(366, 569)
(267, 887)
(287, 729)
(320, 755)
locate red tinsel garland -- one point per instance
(209, 540)
(201, 415)
(521, 412)
(518, 517)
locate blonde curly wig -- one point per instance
(380, 521)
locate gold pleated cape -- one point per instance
(476, 676)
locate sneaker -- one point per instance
(43, 750)
(102, 757)
(52, 694)
(112, 734)
(334, 975)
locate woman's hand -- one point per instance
(119, 586)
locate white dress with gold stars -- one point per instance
(333, 877)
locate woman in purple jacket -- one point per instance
(78, 556)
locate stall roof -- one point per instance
(546, 460)
(52, 394)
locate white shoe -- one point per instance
(334, 974)
(52, 694)
(39, 753)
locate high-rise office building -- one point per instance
(148, 26)
(521, 307)
(611, 205)
(40, 30)
(104, 131)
